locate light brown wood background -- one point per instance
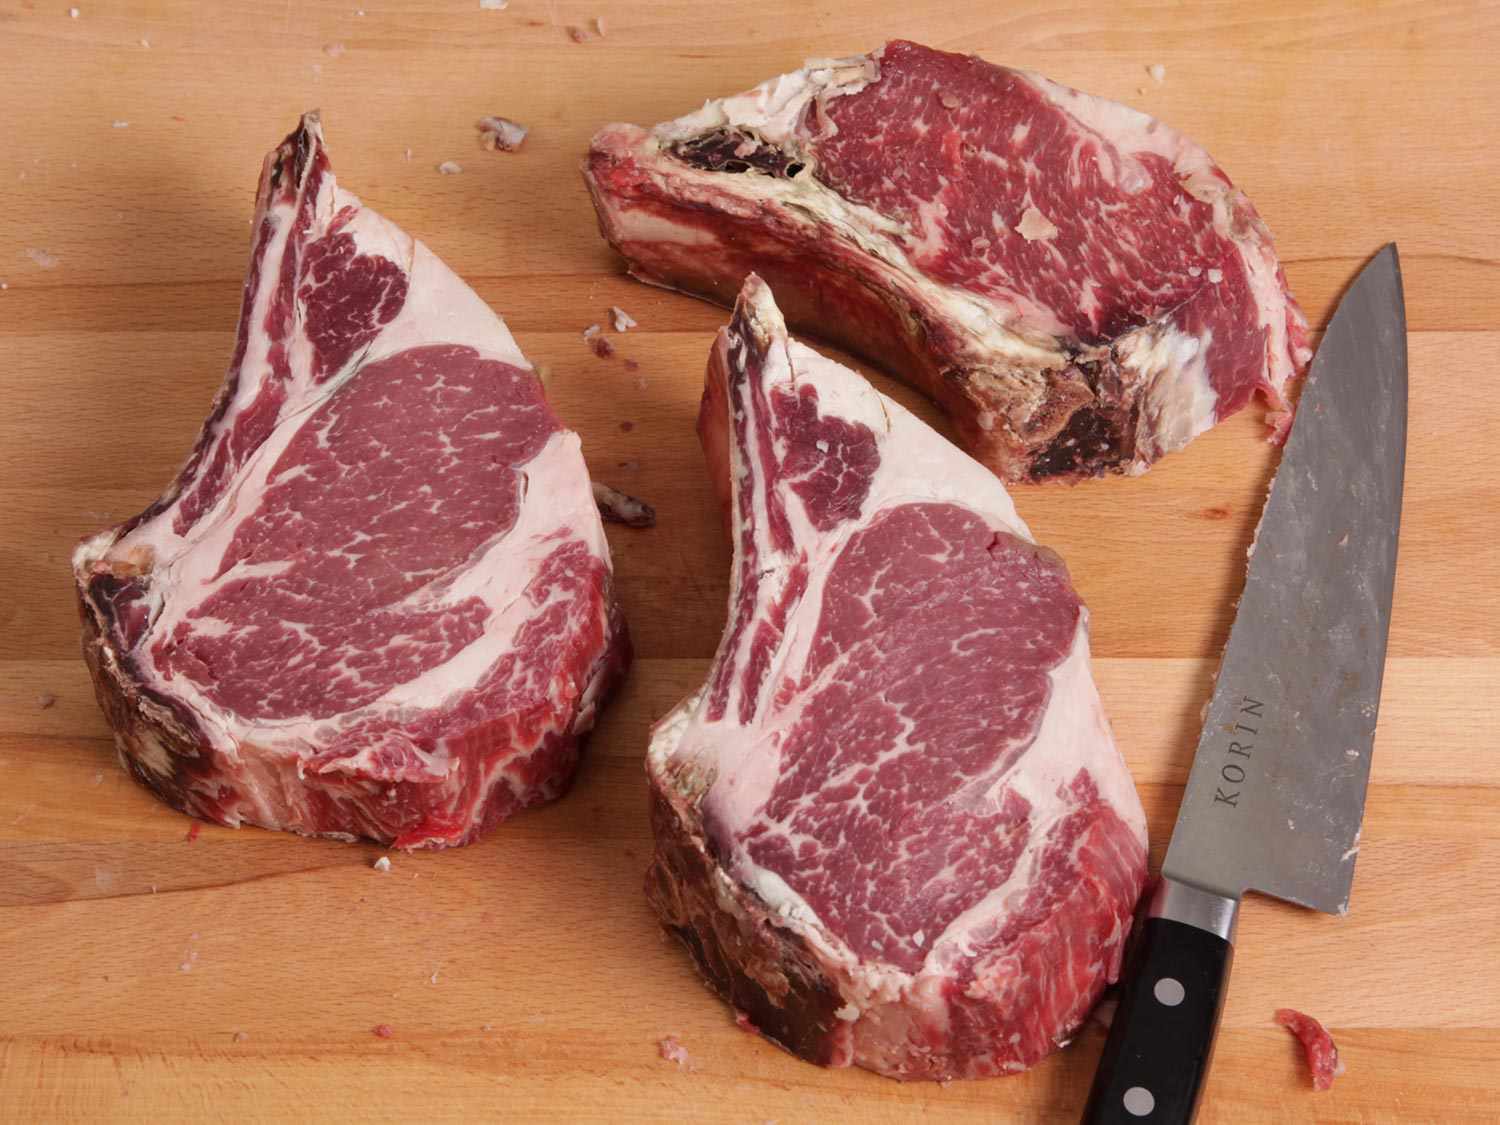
(523, 977)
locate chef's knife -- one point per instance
(1277, 789)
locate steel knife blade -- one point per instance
(1276, 793)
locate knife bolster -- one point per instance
(1207, 910)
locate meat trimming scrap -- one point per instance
(892, 827)
(1077, 284)
(377, 599)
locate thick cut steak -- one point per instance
(892, 826)
(1078, 285)
(377, 599)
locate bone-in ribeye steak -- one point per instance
(1077, 284)
(892, 826)
(377, 599)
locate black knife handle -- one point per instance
(1162, 1036)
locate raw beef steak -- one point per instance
(1078, 285)
(377, 600)
(892, 826)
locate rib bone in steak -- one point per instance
(892, 826)
(377, 599)
(1078, 285)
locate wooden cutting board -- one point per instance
(146, 975)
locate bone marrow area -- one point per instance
(734, 151)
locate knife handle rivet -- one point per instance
(1169, 992)
(1139, 1101)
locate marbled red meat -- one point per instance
(377, 600)
(1078, 285)
(892, 826)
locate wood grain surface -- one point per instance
(144, 976)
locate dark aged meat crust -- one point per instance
(765, 972)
